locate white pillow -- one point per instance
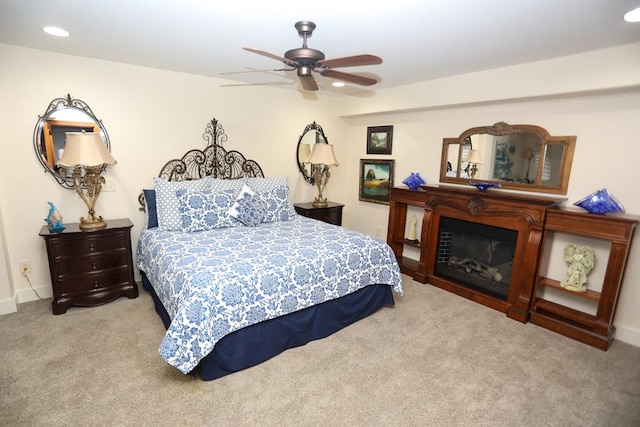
(168, 204)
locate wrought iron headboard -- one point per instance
(213, 161)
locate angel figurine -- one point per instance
(581, 262)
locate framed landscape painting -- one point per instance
(379, 139)
(376, 180)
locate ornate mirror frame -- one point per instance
(312, 134)
(519, 157)
(65, 115)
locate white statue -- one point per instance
(412, 229)
(581, 262)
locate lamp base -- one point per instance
(319, 204)
(92, 223)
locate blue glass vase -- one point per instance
(414, 181)
(600, 202)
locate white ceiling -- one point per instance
(418, 39)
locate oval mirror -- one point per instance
(312, 134)
(519, 157)
(61, 116)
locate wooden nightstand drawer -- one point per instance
(80, 245)
(332, 213)
(91, 282)
(92, 263)
(90, 267)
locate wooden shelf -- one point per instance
(400, 199)
(588, 294)
(595, 330)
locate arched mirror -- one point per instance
(312, 134)
(49, 137)
(519, 157)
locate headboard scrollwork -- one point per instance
(213, 161)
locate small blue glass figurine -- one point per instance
(54, 219)
(414, 181)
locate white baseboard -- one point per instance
(8, 306)
(628, 335)
(27, 295)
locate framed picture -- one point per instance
(376, 180)
(379, 139)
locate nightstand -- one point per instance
(332, 213)
(90, 268)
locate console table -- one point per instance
(535, 219)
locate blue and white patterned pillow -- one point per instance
(275, 191)
(248, 208)
(218, 185)
(205, 210)
(167, 204)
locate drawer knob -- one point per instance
(93, 265)
(91, 247)
(95, 284)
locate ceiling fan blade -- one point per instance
(255, 70)
(351, 61)
(272, 56)
(347, 77)
(308, 82)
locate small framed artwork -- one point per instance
(376, 180)
(379, 139)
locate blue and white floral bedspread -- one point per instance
(218, 281)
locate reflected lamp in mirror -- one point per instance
(473, 159)
(321, 158)
(87, 154)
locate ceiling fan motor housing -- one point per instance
(305, 56)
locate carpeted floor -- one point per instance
(434, 359)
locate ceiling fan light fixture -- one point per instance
(633, 15)
(338, 84)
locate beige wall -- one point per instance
(153, 115)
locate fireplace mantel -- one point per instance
(508, 210)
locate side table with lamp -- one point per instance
(321, 158)
(90, 262)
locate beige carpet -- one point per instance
(435, 359)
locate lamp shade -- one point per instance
(473, 157)
(86, 149)
(305, 151)
(322, 154)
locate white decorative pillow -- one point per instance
(205, 210)
(248, 208)
(167, 204)
(275, 191)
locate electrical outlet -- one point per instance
(25, 266)
(109, 184)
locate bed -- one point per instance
(237, 276)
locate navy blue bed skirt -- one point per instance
(256, 343)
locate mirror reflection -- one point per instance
(523, 157)
(61, 116)
(312, 134)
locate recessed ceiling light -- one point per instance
(633, 16)
(55, 31)
(338, 84)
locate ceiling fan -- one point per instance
(306, 60)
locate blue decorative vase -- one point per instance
(484, 186)
(414, 181)
(600, 202)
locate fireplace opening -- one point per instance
(476, 255)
